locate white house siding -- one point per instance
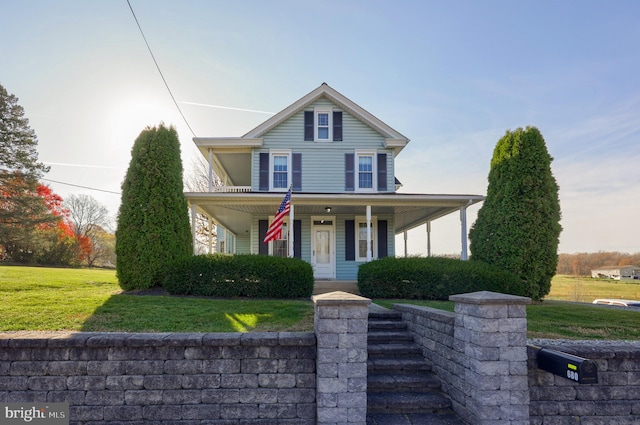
(323, 162)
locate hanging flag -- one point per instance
(275, 228)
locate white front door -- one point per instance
(323, 251)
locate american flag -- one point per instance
(275, 228)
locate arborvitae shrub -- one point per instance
(518, 226)
(153, 222)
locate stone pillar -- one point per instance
(340, 323)
(491, 335)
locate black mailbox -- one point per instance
(581, 370)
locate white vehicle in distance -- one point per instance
(618, 303)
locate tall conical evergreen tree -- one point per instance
(518, 227)
(153, 222)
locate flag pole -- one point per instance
(291, 226)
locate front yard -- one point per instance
(49, 299)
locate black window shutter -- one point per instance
(382, 172)
(349, 176)
(297, 238)
(297, 172)
(308, 125)
(337, 126)
(264, 171)
(263, 226)
(350, 240)
(382, 238)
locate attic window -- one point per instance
(323, 126)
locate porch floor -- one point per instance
(324, 286)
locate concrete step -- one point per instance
(414, 382)
(407, 402)
(400, 366)
(389, 336)
(380, 324)
(393, 349)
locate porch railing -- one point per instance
(231, 189)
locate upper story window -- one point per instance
(280, 175)
(323, 125)
(366, 170)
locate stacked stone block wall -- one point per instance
(191, 379)
(614, 400)
(479, 353)
(341, 324)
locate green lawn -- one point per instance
(49, 299)
(46, 299)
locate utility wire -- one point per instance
(83, 187)
(159, 70)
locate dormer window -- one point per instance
(323, 125)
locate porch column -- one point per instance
(193, 227)
(428, 239)
(291, 230)
(210, 170)
(463, 231)
(210, 221)
(405, 244)
(369, 254)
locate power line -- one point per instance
(83, 187)
(159, 70)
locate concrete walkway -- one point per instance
(325, 286)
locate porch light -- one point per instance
(327, 209)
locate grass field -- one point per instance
(586, 289)
(47, 299)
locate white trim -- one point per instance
(374, 169)
(280, 152)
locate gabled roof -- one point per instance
(394, 139)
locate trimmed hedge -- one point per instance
(432, 278)
(255, 276)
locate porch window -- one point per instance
(361, 238)
(280, 247)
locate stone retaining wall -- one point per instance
(615, 400)
(551, 399)
(112, 378)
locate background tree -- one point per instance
(198, 181)
(21, 208)
(518, 227)
(88, 218)
(153, 222)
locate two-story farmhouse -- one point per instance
(339, 161)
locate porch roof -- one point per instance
(234, 210)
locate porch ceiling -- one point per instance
(234, 210)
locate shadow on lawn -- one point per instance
(156, 311)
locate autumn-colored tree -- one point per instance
(54, 243)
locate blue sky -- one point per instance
(452, 76)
